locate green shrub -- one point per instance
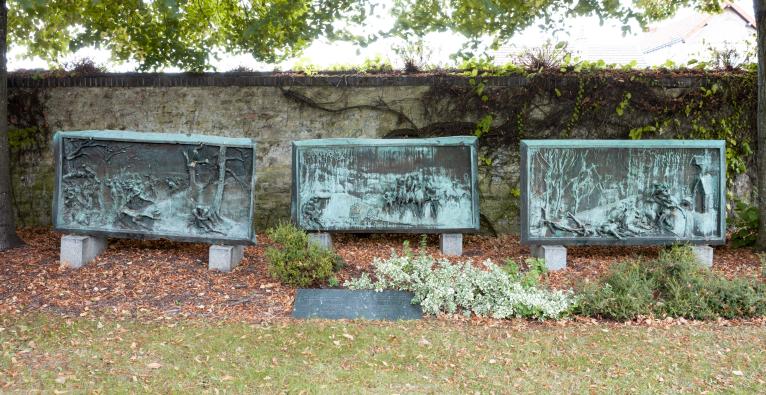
(297, 262)
(744, 225)
(625, 293)
(530, 278)
(441, 286)
(673, 285)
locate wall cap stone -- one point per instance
(331, 79)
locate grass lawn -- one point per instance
(45, 352)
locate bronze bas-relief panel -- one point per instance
(148, 185)
(412, 185)
(623, 192)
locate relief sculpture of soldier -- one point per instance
(574, 199)
(153, 187)
(369, 187)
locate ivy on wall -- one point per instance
(29, 138)
(615, 104)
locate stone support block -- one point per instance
(704, 255)
(555, 256)
(225, 258)
(323, 240)
(451, 244)
(78, 250)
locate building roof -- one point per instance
(680, 38)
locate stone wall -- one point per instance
(275, 110)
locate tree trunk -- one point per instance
(759, 7)
(8, 238)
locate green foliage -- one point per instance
(530, 278)
(744, 225)
(483, 126)
(83, 67)
(23, 139)
(729, 57)
(181, 33)
(500, 20)
(624, 294)
(333, 282)
(415, 55)
(548, 56)
(624, 103)
(443, 287)
(673, 285)
(720, 111)
(576, 108)
(296, 261)
(376, 64)
(306, 66)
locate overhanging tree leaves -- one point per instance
(181, 33)
(499, 20)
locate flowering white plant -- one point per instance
(441, 286)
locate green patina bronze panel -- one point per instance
(155, 185)
(403, 185)
(623, 192)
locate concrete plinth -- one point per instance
(78, 250)
(323, 240)
(704, 255)
(451, 244)
(555, 256)
(225, 258)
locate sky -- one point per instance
(324, 54)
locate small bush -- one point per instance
(333, 282)
(84, 67)
(625, 293)
(440, 286)
(548, 56)
(744, 225)
(530, 278)
(298, 262)
(673, 285)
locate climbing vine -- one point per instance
(593, 102)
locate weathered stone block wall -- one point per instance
(275, 110)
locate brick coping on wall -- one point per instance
(160, 80)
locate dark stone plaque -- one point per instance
(623, 192)
(364, 185)
(155, 185)
(352, 304)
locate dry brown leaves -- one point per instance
(161, 279)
